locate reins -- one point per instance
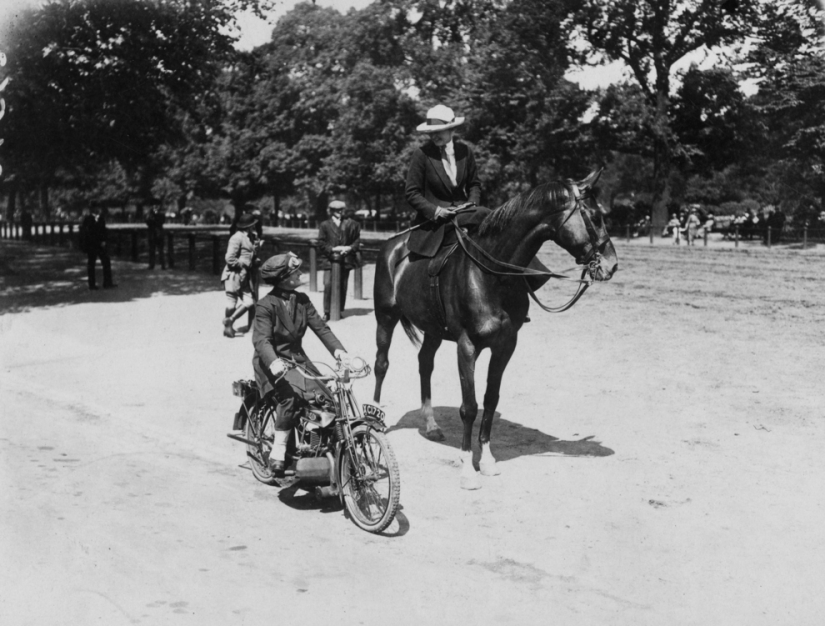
(583, 283)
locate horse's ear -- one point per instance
(591, 180)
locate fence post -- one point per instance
(359, 283)
(191, 238)
(736, 236)
(705, 237)
(335, 304)
(216, 255)
(769, 237)
(60, 239)
(805, 236)
(134, 238)
(170, 250)
(627, 232)
(313, 265)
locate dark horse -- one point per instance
(482, 303)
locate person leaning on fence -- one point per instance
(238, 274)
(154, 222)
(93, 241)
(338, 237)
(281, 320)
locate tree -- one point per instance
(650, 37)
(96, 81)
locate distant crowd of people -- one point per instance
(688, 225)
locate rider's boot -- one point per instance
(278, 452)
(228, 331)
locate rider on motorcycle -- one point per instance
(281, 320)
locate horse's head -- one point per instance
(580, 229)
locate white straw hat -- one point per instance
(440, 118)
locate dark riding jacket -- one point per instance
(429, 188)
(281, 321)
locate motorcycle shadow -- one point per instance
(295, 497)
(509, 440)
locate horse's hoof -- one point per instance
(471, 482)
(435, 435)
(489, 469)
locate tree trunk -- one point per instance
(661, 153)
(11, 204)
(45, 211)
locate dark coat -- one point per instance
(347, 234)
(276, 335)
(429, 187)
(93, 233)
(155, 221)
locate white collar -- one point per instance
(449, 147)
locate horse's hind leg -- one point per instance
(499, 359)
(426, 358)
(467, 354)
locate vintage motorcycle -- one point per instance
(337, 447)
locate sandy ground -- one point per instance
(660, 447)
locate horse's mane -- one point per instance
(496, 222)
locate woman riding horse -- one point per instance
(481, 298)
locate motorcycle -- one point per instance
(337, 448)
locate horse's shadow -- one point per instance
(509, 440)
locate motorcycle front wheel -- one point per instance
(260, 425)
(370, 480)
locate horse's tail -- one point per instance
(411, 331)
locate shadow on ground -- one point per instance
(509, 440)
(39, 276)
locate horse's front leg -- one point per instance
(499, 359)
(467, 355)
(426, 359)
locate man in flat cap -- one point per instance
(338, 237)
(281, 320)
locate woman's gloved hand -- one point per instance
(343, 358)
(277, 367)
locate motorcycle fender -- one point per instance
(372, 422)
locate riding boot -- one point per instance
(228, 331)
(278, 452)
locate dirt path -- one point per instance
(659, 446)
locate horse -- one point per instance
(481, 297)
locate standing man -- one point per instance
(93, 238)
(154, 222)
(338, 238)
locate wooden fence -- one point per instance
(195, 248)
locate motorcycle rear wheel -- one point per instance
(371, 495)
(259, 427)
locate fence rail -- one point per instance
(200, 248)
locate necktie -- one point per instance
(448, 166)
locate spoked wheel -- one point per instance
(370, 480)
(259, 428)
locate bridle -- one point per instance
(591, 259)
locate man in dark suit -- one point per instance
(281, 320)
(154, 222)
(442, 175)
(93, 239)
(338, 237)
